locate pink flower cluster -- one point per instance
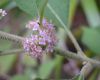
(42, 40)
(2, 12)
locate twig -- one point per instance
(63, 53)
(86, 69)
(10, 37)
(78, 57)
(66, 54)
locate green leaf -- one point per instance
(3, 3)
(29, 61)
(41, 5)
(73, 6)
(4, 45)
(46, 68)
(20, 77)
(28, 6)
(81, 77)
(58, 11)
(94, 74)
(92, 12)
(6, 62)
(78, 77)
(91, 38)
(58, 68)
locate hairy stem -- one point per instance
(86, 69)
(76, 56)
(10, 37)
(66, 53)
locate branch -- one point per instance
(76, 56)
(58, 51)
(86, 69)
(66, 54)
(10, 37)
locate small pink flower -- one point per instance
(43, 41)
(2, 12)
(33, 25)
